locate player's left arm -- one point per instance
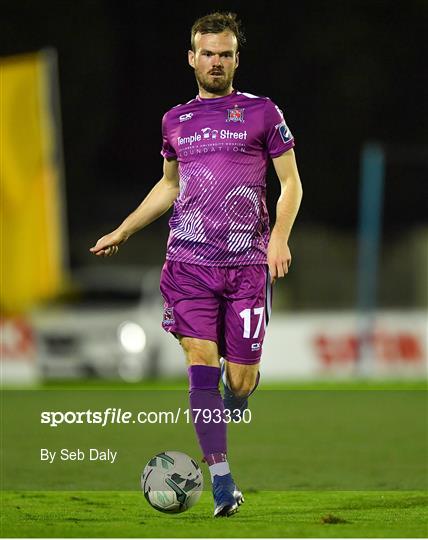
(279, 255)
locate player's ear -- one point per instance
(237, 59)
(191, 58)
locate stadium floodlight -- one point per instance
(132, 337)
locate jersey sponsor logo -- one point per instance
(185, 117)
(255, 346)
(235, 115)
(208, 133)
(196, 137)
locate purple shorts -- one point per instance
(228, 305)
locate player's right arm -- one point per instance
(157, 202)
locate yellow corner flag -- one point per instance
(31, 204)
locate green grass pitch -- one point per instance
(343, 460)
(264, 514)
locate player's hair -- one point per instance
(215, 23)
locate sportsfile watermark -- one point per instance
(112, 415)
(101, 439)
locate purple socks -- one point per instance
(205, 395)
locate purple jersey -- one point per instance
(223, 146)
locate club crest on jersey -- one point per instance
(235, 115)
(168, 316)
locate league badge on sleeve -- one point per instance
(235, 115)
(284, 132)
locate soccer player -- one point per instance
(221, 256)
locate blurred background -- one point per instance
(84, 85)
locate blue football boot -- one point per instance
(227, 497)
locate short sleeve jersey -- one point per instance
(223, 146)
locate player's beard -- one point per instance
(214, 85)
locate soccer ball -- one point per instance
(172, 482)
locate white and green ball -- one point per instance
(172, 482)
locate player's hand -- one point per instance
(278, 257)
(108, 245)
